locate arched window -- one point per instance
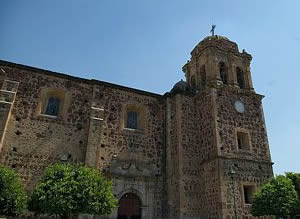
(134, 117)
(223, 73)
(193, 82)
(203, 76)
(129, 207)
(240, 78)
(132, 120)
(52, 108)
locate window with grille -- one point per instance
(132, 120)
(52, 108)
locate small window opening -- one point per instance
(243, 141)
(52, 106)
(132, 120)
(240, 78)
(248, 194)
(223, 73)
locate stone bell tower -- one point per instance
(216, 60)
(217, 146)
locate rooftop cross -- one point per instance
(213, 29)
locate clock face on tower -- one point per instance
(239, 106)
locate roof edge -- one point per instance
(74, 78)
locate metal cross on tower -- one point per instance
(213, 29)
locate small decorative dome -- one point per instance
(216, 41)
(180, 86)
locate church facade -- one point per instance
(198, 151)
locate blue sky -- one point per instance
(144, 44)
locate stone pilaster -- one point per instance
(213, 77)
(180, 151)
(94, 136)
(249, 79)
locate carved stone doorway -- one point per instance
(129, 207)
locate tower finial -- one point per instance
(213, 29)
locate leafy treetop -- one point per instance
(295, 177)
(277, 197)
(71, 189)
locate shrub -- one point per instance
(13, 199)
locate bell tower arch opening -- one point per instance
(193, 82)
(240, 78)
(203, 76)
(223, 73)
(129, 207)
(214, 62)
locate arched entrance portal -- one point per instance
(129, 207)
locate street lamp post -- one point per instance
(232, 173)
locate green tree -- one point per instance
(13, 199)
(277, 197)
(67, 189)
(295, 177)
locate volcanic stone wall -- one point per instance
(253, 166)
(32, 140)
(173, 162)
(144, 148)
(182, 151)
(209, 204)
(202, 149)
(252, 119)
(193, 172)
(117, 140)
